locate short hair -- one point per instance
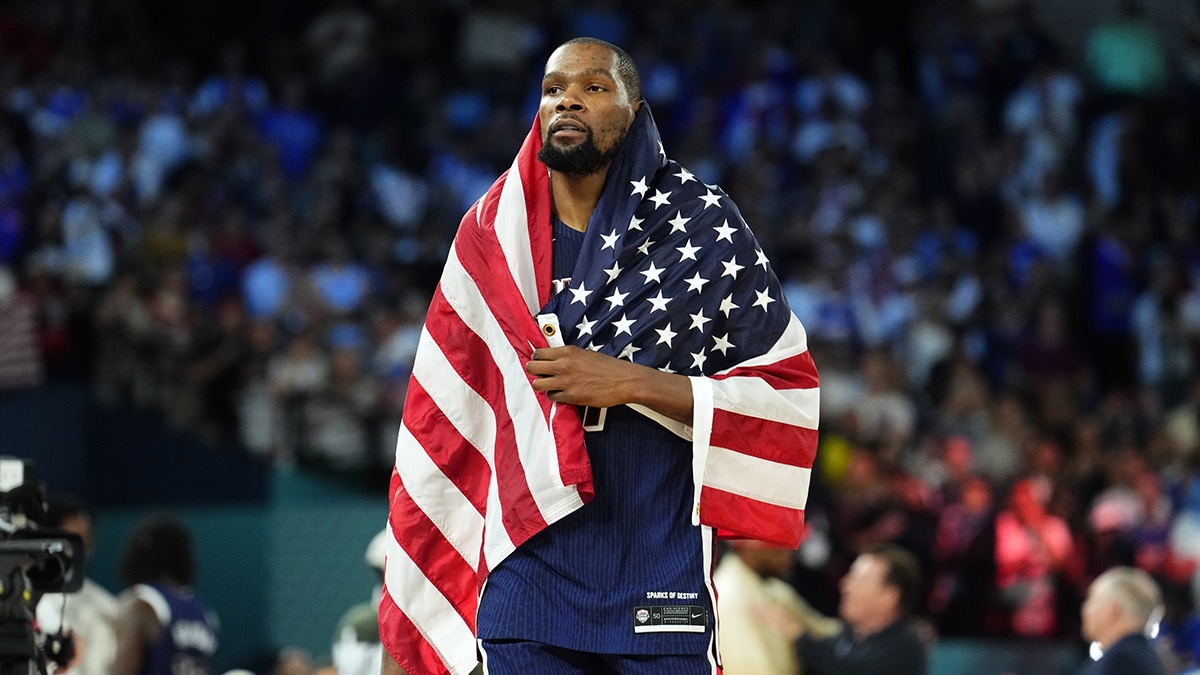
(158, 550)
(61, 507)
(1135, 591)
(627, 70)
(903, 573)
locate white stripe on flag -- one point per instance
(772, 482)
(512, 229)
(753, 397)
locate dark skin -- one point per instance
(581, 91)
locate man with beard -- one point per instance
(596, 277)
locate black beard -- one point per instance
(584, 159)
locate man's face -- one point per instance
(81, 525)
(864, 593)
(1098, 609)
(585, 110)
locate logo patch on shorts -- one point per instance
(670, 619)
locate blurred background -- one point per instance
(221, 223)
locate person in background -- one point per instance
(1032, 545)
(1121, 612)
(162, 627)
(356, 646)
(758, 611)
(87, 614)
(877, 636)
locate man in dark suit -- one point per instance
(1122, 606)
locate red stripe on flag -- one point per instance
(454, 456)
(766, 439)
(433, 554)
(405, 643)
(729, 513)
(794, 372)
(519, 511)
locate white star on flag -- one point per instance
(710, 199)
(731, 267)
(653, 273)
(678, 222)
(613, 272)
(617, 299)
(661, 198)
(644, 249)
(659, 302)
(635, 223)
(762, 258)
(595, 347)
(725, 232)
(688, 251)
(624, 325)
(764, 299)
(610, 240)
(629, 351)
(698, 320)
(684, 175)
(665, 335)
(579, 294)
(585, 327)
(696, 283)
(727, 305)
(722, 343)
(639, 187)
(698, 359)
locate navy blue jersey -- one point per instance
(627, 573)
(189, 636)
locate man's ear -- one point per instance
(637, 105)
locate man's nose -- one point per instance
(569, 101)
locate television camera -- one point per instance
(34, 560)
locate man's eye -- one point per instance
(551, 91)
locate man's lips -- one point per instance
(568, 126)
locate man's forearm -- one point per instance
(668, 394)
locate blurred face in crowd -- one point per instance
(585, 110)
(867, 600)
(81, 525)
(1100, 610)
(1026, 503)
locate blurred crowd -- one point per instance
(992, 239)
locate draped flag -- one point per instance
(669, 277)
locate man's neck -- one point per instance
(1116, 634)
(575, 197)
(866, 629)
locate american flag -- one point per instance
(669, 277)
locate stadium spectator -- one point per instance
(1121, 614)
(876, 636)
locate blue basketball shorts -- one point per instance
(521, 657)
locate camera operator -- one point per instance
(162, 627)
(88, 614)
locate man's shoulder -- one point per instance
(1133, 654)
